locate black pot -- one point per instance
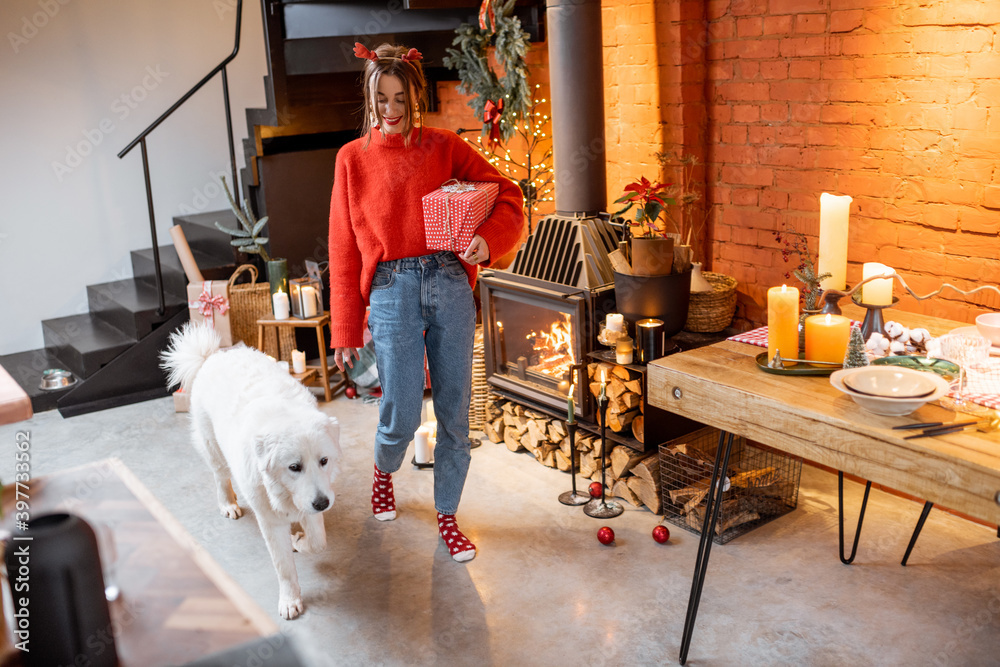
(58, 574)
(659, 297)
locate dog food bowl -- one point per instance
(890, 406)
(57, 378)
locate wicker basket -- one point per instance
(480, 389)
(249, 302)
(713, 311)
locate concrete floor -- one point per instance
(543, 590)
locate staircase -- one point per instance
(114, 349)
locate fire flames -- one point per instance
(554, 348)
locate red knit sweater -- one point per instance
(376, 213)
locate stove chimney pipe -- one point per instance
(577, 92)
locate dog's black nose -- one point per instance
(321, 503)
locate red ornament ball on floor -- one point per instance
(605, 535)
(350, 392)
(595, 489)
(661, 533)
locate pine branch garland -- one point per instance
(471, 60)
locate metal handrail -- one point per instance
(141, 140)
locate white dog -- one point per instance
(258, 427)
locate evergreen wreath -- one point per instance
(499, 100)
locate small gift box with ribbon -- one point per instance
(209, 302)
(454, 211)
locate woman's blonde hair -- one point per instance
(409, 72)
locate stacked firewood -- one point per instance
(631, 475)
(624, 391)
(750, 492)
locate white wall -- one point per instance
(87, 76)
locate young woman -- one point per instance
(420, 300)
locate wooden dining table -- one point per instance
(721, 385)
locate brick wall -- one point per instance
(894, 102)
(889, 102)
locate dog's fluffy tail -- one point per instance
(187, 351)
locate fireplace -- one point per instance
(536, 339)
(540, 317)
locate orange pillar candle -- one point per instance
(827, 337)
(783, 322)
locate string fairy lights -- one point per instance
(529, 161)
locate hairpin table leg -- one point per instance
(713, 501)
(916, 531)
(861, 518)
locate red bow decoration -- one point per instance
(362, 52)
(492, 113)
(206, 302)
(486, 10)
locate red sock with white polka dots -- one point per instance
(459, 546)
(383, 500)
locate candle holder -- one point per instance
(649, 340)
(307, 297)
(277, 277)
(831, 302)
(573, 497)
(873, 321)
(599, 508)
(624, 349)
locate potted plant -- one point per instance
(652, 248)
(652, 289)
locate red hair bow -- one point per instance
(492, 113)
(361, 52)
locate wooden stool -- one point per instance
(310, 373)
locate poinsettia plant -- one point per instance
(650, 201)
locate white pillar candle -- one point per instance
(614, 322)
(309, 301)
(298, 361)
(834, 212)
(280, 301)
(283, 365)
(879, 291)
(422, 445)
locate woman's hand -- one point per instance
(343, 354)
(478, 251)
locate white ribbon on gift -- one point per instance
(453, 186)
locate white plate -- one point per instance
(890, 407)
(889, 382)
(973, 331)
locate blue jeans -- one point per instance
(422, 303)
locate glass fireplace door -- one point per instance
(534, 341)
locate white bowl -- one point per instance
(889, 382)
(887, 406)
(988, 325)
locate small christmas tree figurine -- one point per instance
(856, 355)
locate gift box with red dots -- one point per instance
(454, 211)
